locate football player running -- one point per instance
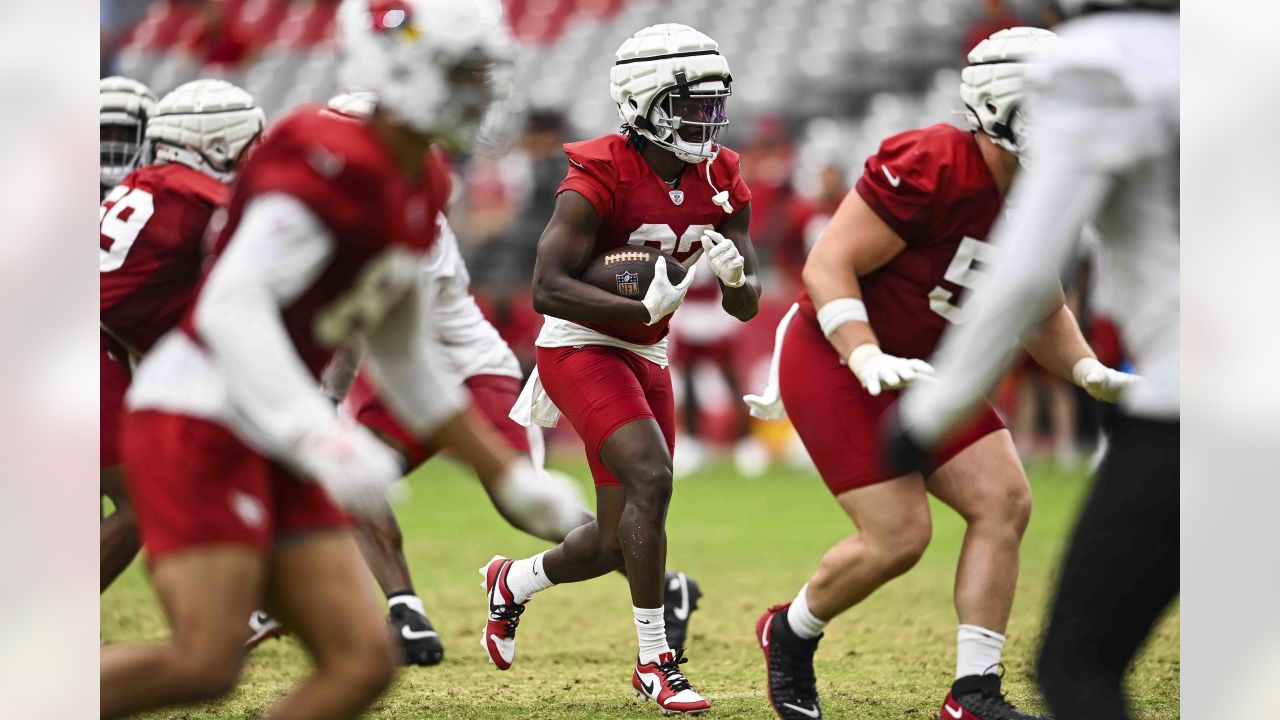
(1106, 147)
(885, 278)
(151, 232)
(480, 359)
(237, 466)
(601, 358)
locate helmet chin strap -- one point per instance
(721, 197)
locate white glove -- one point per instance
(1100, 381)
(663, 298)
(876, 370)
(351, 464)
(544, 504)
(724, 258)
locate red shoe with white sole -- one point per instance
(499, 638)
(663, 683)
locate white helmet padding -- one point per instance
(122, 103)
(992, 85)
(670, 83)
(206, 125)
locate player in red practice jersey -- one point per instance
(151, 230)
(885, 278)
(239, 469)
(602, 358)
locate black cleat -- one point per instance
(678, 603)
(417, 638)
(978, 697)
(793, 689)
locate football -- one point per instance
(628, 271)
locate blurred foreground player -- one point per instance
(151, 233)
(602, 357)
(236, 464)
(886, 277)
(1106, 146)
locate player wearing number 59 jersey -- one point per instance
(886, 277)
(151, 229)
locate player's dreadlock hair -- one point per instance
(634, 138)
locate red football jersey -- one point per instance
(933, 188)
(343, 173)
(636, 207)
(151, 229)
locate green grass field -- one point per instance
(750, 543)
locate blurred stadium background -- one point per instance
(818, 84)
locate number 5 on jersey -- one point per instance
(963, 272)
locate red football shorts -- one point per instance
(193, 483)
(113, 382)
(838, 421)
(600, 389)
(491, 395)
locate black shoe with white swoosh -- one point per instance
(417, 638)
(978, 697)
(793, 689)
(678, 603)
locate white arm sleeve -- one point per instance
(407, 365)
(1060, 191)
(276, 253)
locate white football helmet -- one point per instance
(434, 65)
(671, 83)
(206, 125)
(123, 108)
(1075, 7)
(991, 86)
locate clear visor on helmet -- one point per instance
(691, 118)
(119, 147)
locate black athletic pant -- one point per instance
(1120, 573)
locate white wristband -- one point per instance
(840, 311)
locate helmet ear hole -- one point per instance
(991, 108)
(633, 103)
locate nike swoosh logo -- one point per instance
(764, 634)
(812, 712)
(643, 622)
(681, 611)
(893, 179)
(648, 687)
(506, 650)
(417, 634)
(956, 713)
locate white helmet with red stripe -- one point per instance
(992, 85)
(434, 65)
(206, 125)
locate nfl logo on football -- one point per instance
(628, 283)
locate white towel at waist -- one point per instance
(534, 406)
(768, 404)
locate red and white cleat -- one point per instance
(663, 683)
(499, 638)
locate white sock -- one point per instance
(651, 629)
(527, 577)
(803, 622)
(413, 601)
(977, 650)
